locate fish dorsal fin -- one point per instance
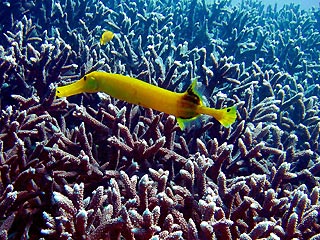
(193, 94)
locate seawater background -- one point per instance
(304, 4)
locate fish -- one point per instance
(106, 37)
(186, 106)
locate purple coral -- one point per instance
(95, 167)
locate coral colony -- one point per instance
(94, 167)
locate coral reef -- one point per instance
(93, 167)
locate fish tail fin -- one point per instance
(226, 116)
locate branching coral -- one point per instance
(94, 167)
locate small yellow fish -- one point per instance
(184, 106)
(106, 37)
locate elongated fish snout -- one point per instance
(70, 90)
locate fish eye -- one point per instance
(85, 77)
(228, 110)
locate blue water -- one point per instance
(304, 4)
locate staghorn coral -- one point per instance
(94, 167)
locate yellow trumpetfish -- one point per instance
(184, 106)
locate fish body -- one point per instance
(184, 106)
(106, 37)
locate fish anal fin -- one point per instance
(182, 122)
